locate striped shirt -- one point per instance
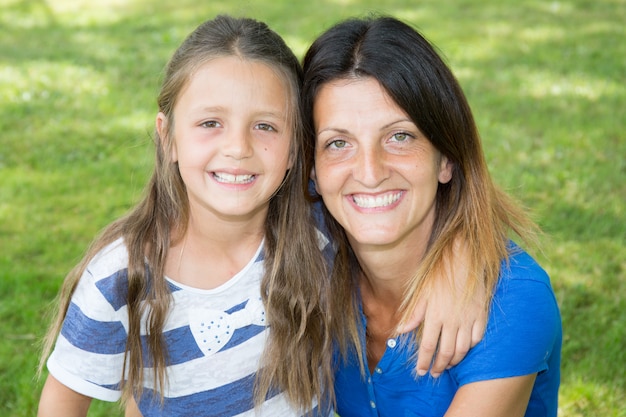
(214, 339)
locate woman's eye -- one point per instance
(265, 126)
(401, 137)
(339, 143)
(210, 124)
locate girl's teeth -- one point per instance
(374, 202)
(232, 179)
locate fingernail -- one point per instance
(435, 375)
(421, 372)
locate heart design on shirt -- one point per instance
(213, 329)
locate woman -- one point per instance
(399, 165)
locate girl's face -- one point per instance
(375, 170)
(232, 138)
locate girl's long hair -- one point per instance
(295, 290)
(470, 209)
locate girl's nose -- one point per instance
(238, 144)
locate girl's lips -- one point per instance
(368, 201)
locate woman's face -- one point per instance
(376, 172)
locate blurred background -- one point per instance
(546, 81)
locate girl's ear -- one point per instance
(445, 170)
(163, 131)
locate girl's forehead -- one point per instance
(241, 64)
(230, 68)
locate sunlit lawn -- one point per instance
(546, 80)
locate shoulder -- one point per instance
(110, 259)
(520, 265)
(524, 326)
(89, 352)
(524, 286)
(105, 278)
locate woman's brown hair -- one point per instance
(470, 209)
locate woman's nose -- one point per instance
(371, 167)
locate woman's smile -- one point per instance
(377, 201)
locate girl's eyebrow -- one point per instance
(268, 113)
(278, 114)
(207, 109)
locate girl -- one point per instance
(168, 296)
(398, 162)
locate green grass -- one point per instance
(546, 80)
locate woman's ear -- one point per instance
(162, 129)
(445, 170)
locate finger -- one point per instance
(478, 329)
(445, 351)
(463, 344)
(416, 318)
(428, 346)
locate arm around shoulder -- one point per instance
(57, 400)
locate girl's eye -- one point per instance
(401, 137)
(265, 126)
(210, 124)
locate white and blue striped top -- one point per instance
(214, 340)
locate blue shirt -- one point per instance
(523, 337)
